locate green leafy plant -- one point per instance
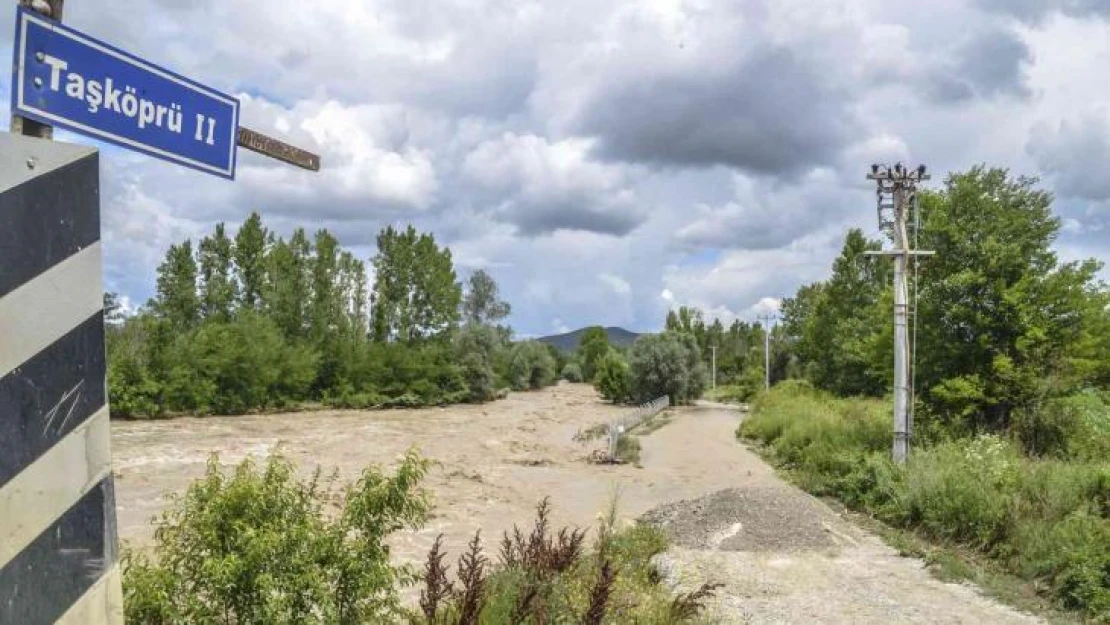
(258, 545)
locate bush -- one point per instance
(531, 366)
(231, 367)
(257, 546)
(962, 490)
(1076, 426)
(666, 364)
(476, 347)
(572, 372)
(613, 380)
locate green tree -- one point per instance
(287, 288)
(572, 372)
(1002, 322)
(218, 290)
(476, 346)
(844, 339)
(113, 310)
(176, 299)
(416, 295)
(592, 347)
(250, 261)
(482, 302)
(666, 364)
(688, 320)
(613, 380)
(231, 367)
(531, 366)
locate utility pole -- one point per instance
(714, 373)
(897, 197)
(767, 350)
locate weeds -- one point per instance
(628, 449)
(436, 586)
(546, 576)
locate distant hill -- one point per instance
(569, 342)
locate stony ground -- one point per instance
(783, 556)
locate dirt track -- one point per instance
(784, 557)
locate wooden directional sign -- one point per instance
(269, 146)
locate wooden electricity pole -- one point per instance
(897, 197)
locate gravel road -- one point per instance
(784, 556)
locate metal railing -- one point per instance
(642, 413)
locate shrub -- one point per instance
(531, 366)
(613, 380)
(592, 347)
(476, 347)
(256, 546)
(666, 364)
(572, 372)
(548, 576)
(1076, 426)
(962, 490)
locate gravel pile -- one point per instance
(750, 519)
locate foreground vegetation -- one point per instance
(1043, 519)
(259, 545)
(259, 322)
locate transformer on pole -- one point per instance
(897, 210)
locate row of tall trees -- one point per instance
(258, 321)
(1002, 325)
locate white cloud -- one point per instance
(547, 186)
(608, 159)
(619, 285)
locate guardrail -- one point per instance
(642, 413)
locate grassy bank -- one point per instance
(1046, 521)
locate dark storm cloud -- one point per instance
(770, 113)
(1035, 11)
(536, 220)
(1073, 152)
(991, 64)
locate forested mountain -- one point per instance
(568, 342)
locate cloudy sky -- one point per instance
(607, 159)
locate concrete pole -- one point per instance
(901, 334)
(767, 358)
(714, 373)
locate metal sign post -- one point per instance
(58, 542)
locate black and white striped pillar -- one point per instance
(58, 548)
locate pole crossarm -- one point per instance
(900, 253)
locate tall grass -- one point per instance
(1043, 519)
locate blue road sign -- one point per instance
(67, 79)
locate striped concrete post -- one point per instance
(57, 508)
